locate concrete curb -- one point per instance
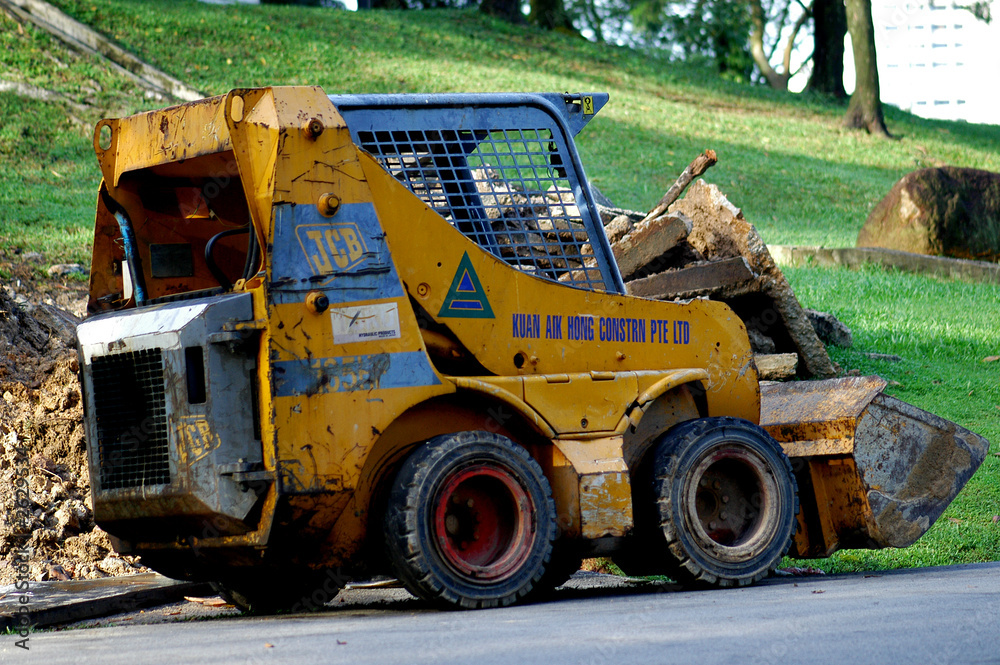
(51, 603)
(853, 257)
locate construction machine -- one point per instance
(337, 336)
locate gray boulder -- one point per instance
(945, 211)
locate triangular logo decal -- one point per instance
(465, 284)
(466, 298)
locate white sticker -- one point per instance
(365, 323)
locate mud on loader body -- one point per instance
(337, 336)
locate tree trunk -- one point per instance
(758, 24)
(508, 10)
(550, 15)
(830, 22)
(865, 108)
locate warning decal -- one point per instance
(466, 298)
(365, 323)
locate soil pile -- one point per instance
(42, 437)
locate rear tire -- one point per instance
(727, 502)
(470, 522)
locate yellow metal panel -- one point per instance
(168, 135)
(605, 491)
(253, 127)
(817, 417)
(543, 328)
(667, 381)
(565, 492)
(819, 447)
(509, 390)
(323, 435)
(581, 404)
(836, 514)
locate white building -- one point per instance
(936, 60)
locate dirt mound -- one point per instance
(41, 432)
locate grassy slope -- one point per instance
(48, 175)
(800, 178)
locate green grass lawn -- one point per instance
(943, 330)
(800, 177)
(48, 173)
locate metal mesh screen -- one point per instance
(131, 419)
(504, 189)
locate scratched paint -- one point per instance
(353, 373)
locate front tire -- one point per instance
(470, 522)
(727, 502)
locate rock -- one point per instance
(760, 343)
(63, 269)
(56, 572)
(43, 462)
(71, 516)
(944, 211)
(829, 328)
(113, 565)
(618, 227)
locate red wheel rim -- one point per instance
(483, 521)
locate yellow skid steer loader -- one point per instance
(336, 336)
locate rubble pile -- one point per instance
(702, 246)
(42, 443)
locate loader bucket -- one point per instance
(873, 471)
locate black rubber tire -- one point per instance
(727, 502)
(268, 592)
(433, 521)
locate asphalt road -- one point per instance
(933, 615)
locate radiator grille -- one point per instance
(504, 189)
(131, 419)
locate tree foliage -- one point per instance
(744, 40)
(716, 31)
(550, 15)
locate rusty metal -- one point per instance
(877, 471)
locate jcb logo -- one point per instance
(331, 247)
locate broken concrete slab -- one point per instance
(694, 280)
(776, 366)
(720, 231)
(642, 250)
(51, 603)
(854, 257)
